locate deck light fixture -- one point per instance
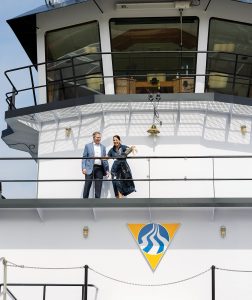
(68, 131)
(62, 3)
(243, 129)
(244, 1)
(85, 231)
(179, 4)
(223, 231)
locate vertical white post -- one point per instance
(202, 57)
(106, 58)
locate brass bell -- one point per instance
(153, 130)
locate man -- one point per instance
(92, 167)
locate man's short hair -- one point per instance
(95, 133)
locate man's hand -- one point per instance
(84, 171)
(108, 175)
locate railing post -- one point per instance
(85, 283)
(213, 282)
(33, 87)
(44, 292)
(234, 75)
(148, 176)
(74, 77)
(213, 177)
(12, 99)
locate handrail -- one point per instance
(49, 284)
(9, 95)
(135, 179)
(129, 157)
(178, 73)
(130, 52)
(156, 179)
(198, 181)
(45, 285)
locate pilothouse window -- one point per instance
(147, 54)
(74, 67)
(230, 67)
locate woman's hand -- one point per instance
(133, 150)
(130, 149)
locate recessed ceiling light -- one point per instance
(244, 1)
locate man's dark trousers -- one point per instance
(96, 174)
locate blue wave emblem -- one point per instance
(153, 238)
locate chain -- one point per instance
(11, 264)
(233, 270)
(150, 285)
(14, 265)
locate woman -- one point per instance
(120, 168)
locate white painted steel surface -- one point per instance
(54, 237)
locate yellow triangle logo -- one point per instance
(153, 240)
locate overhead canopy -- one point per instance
(25, 30)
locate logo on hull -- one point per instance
(153, 240)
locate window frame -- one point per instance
(63, 28)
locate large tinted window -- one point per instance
(74, 68)
(230, 69)
(153, 37)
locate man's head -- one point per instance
(97, 137)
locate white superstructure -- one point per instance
(119, 67)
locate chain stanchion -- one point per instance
(213, 282)
(86, 282)
(4, 292)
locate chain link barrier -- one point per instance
(150, 285)
(14, 265)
